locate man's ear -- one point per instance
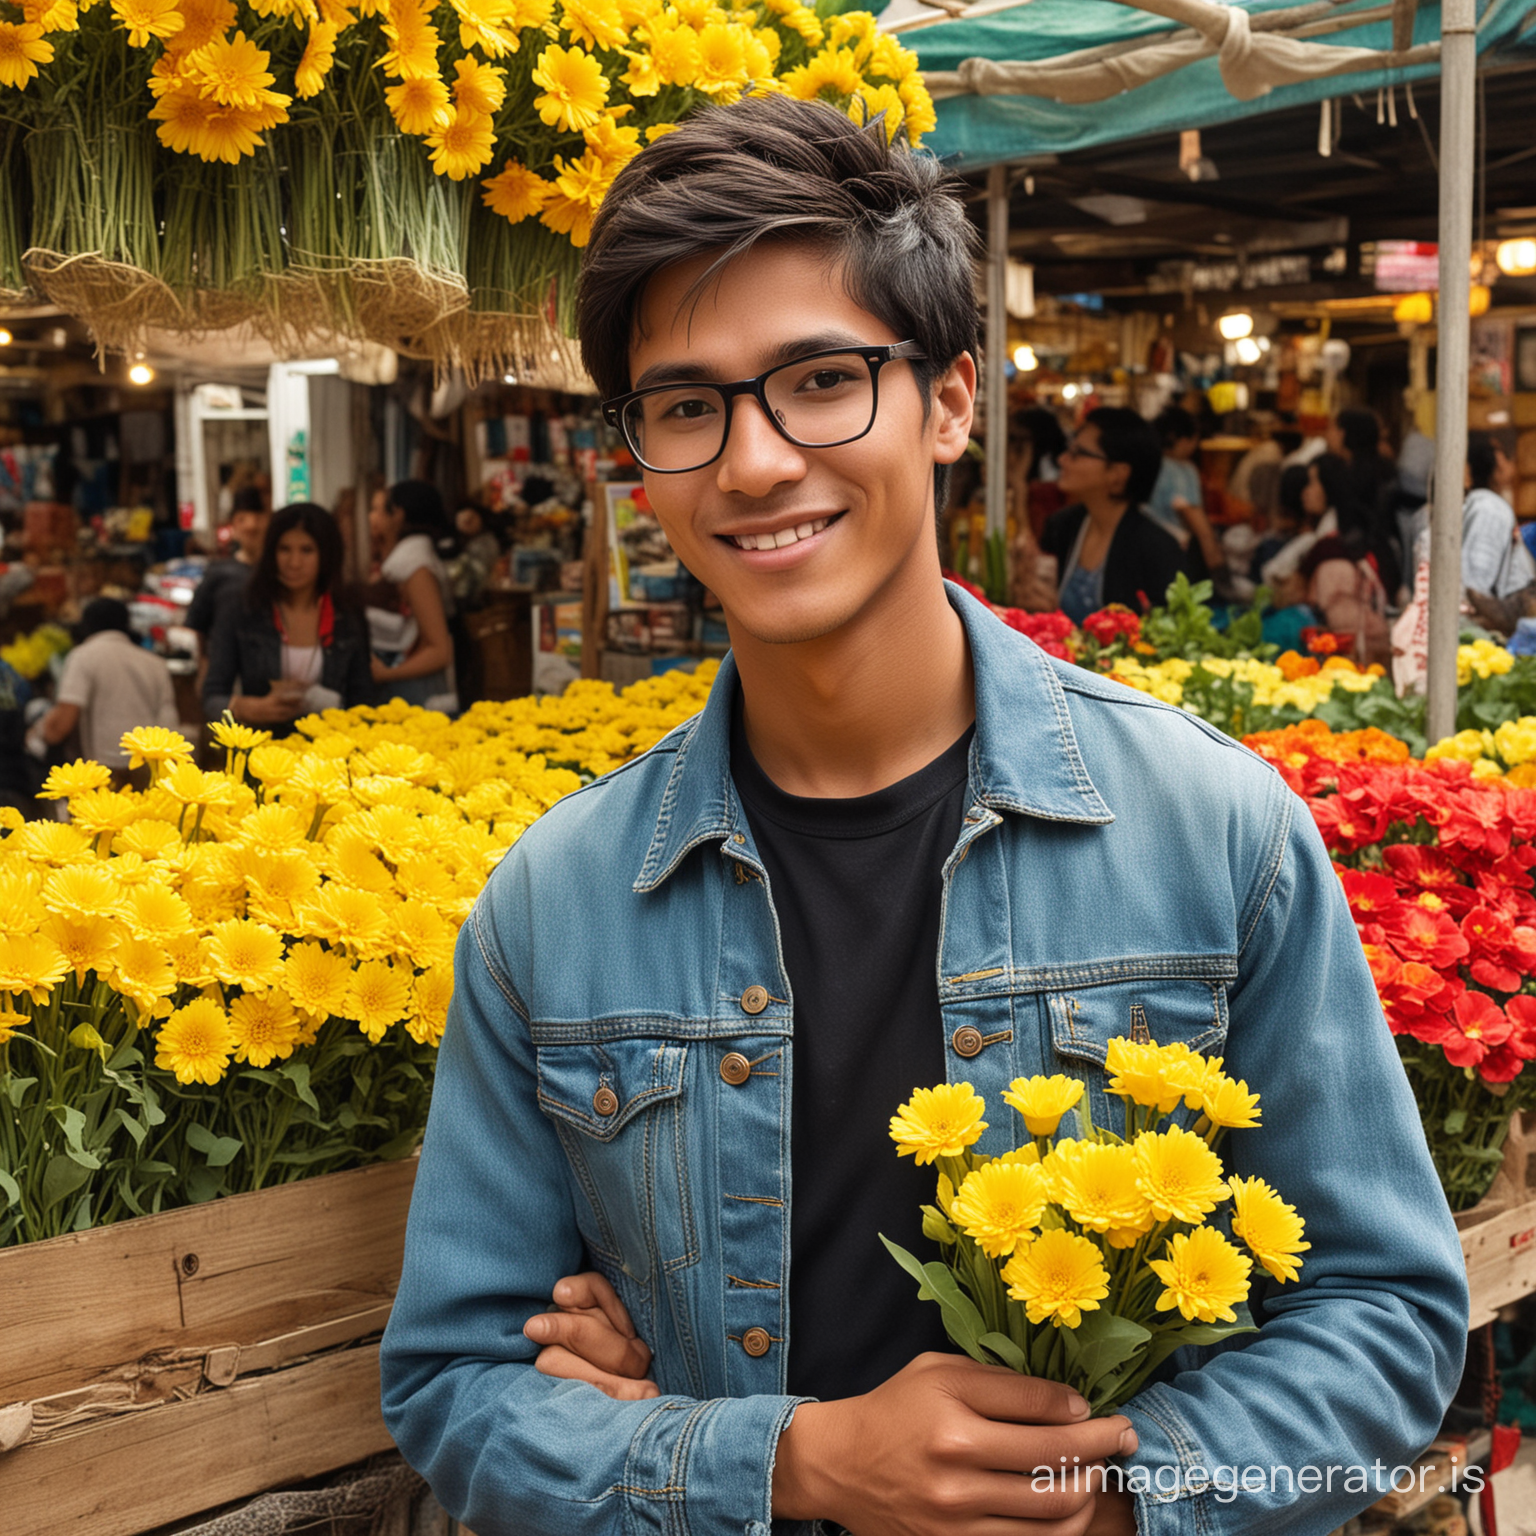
(954, 406)
(1116, 476)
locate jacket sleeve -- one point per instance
(508, 1451)
(1302, 1425)
(223, 664)
(357, 686)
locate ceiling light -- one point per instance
(1024, 358)
(1069, 392)
(1517, 258)
(1235, 326)
(1248, 350)
(1478, 300)
(1414, 309)
(5, 337)
(141, 373)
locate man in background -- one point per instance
(110, 686)
(224, 581)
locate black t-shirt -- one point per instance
(222, 586)
(856, 885)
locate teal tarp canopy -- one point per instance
(977, 131)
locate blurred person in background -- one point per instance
(408, 618)
(290, 647)
(1178, 498)
(1107, 548)
(478, 536)
(110, 685)
(1347, 595)
(223, 581)
(1307, 495)
(1367, 510)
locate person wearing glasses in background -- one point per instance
(643, 1287)
(1107, 548)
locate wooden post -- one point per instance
(594, 585)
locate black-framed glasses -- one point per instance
(1072, 450)
(821, 400)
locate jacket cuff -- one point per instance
(1167, 1475)
(710, 1463)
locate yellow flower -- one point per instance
(265, 1027)
(76, 778)
(272, 765)
(1096, 1185)
(999, 1205)
(938, 1122)
(274, 828)
(10, 1022)
(479, 88)
(614, 145)
(187, 783)
(285, 876)
(517, 193)
(149, 838)
(100, 811)
(1228, 1103)
(1204, 1275)
(1043, 1101)
(641, 77)
(1178, 1174)
(52, 15)
(246, 954)
(463, 145)
(85, 942)
(1145, 1074)
(22, 48)
(317, 978)
(85, 890)
(143, 20)
(430, 995)
(413, 51)
(722, 62)
(575, 88)
(142, 971)
(423, 934)
(419, 106)
(155, 744)
(233, 71)
(31, 963)
(1058, 1276)
(594, 23)
(204, 20)
(833, 72)
(876, 102)
(674, 55)
(308, 80)
(1270, 1228)
(492, 25)
(378, 997)
(195, 1043)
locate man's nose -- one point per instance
(756, 456)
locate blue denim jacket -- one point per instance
(1120, 863)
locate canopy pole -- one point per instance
(997, 349)
(1458, 88)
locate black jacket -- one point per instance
(1143, 557)
(247, 649)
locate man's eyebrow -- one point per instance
(682, 371)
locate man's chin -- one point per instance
(788, 624)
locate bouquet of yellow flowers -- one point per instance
(1090, 1260)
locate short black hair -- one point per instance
(1174, 424)
(100, 615)
(248, 499)
(264, 588)
(1045, 434)
(1483, 450)
(774, 168)
(1361, 431)
(1293, 481)
(1128, 438)
(422, 503)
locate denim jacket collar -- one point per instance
(1024, 757)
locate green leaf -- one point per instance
(9, 1188)
(220, 1151)
(297, 1073)
(87, 1038)
(1106, 1341)
(936, 1229)
(73, 1123)
(962, 1322)
(1200, 1334)
(132, 1126)
(1006, 1350)
(1455, 1122)
(203, 1184)
(16, 1089)
(61, 1178)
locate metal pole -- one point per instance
(1458, 97)
(997, 348)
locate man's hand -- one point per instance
(589, 1337)
(948, 1447)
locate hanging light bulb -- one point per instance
(1235, 326)
(1024, 358)
(1479, 299)
(5, 337)
(1414, 309)
(1516, 258)
(1248, 350)
(141, 373)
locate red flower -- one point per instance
(1431, 937)
(1480, 1026)
(1521, 1012)
(1109, 624)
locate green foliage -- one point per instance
(1185, 625)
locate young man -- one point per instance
(899, 846)
(224, 580)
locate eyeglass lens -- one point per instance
(817, 403)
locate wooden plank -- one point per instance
(147, 1469)
(1501, 1261)
(233, 1272)
(272, 1353)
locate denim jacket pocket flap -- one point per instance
(599, 1089)
(1191, 1010)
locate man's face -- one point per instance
(867, 506)
(249, 529)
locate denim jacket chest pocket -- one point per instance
(618, 1108)
(1189, 1009)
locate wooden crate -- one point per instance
(1498, 1235)
(161, 1367)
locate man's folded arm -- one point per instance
(511, 1452)
(1356, 1359)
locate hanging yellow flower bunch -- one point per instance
(562, 92)
(1088, 1260)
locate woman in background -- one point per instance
(290, 648)
(412, 644)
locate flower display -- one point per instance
(31, 654)
(239, 977)
(1091, 1258)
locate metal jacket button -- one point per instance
(606, 1102)
(735, 1069)
(967, 1040)
(756, 1342)
(754, 999)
